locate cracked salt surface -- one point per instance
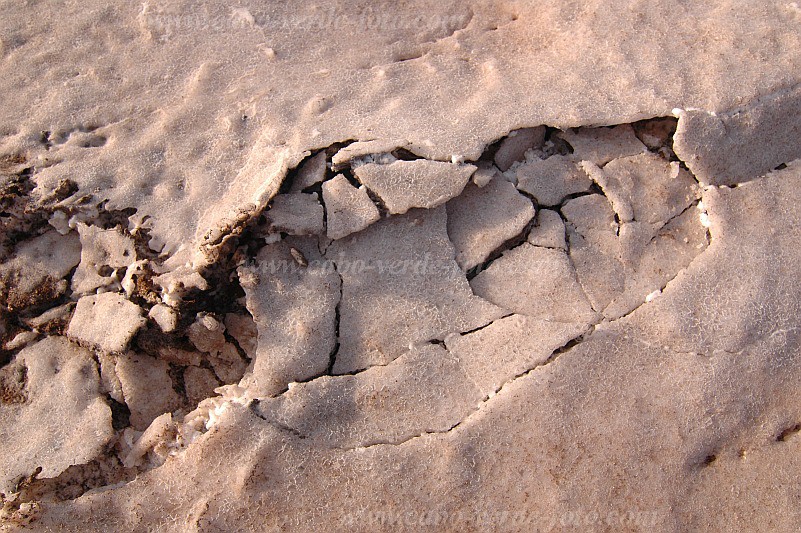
(384, 304)
(562, 310)
(353, 329)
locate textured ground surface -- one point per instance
(365, 266)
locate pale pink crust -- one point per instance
(453, 265)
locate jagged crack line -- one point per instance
(692, 205)
(253, 408)
(509, 244)
(441, 340)
(565, 348)
(337, 317)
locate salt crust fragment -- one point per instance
(348, 209)
(105, 321)
(482, 218)
(403, 185)
(65, 421)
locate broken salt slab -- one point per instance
(348, 209)
(109, 380)
(56, 314)
(601, 145)
(207, 334)
(146, 387)
(485, 173)
(646, 188)
(516, 144)
(310, 173)
(64, 421)
(35, 273)
(422, 391)
(20, 340)
(176, 283)
(295, 312)
(401, 286)
(403, 185)
(651, 261)
(551, 180)
(741, 144)
(296, 214)
(102, 252)
(553, 421)
(509, 346)
(549, 231)
(594, 248)
(537, 282)
(180, 357)
(228, 365)
(159, 431)
(482, 219)
(105, 321)
(361, 149)
(164, 316)
(243, 329)
(620, 265)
